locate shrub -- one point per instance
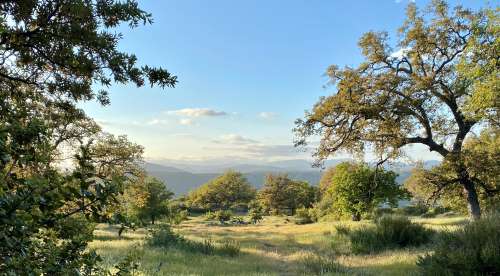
(305, 216)
(388, 232)
(179, 217)
(319, 265)
(472, 250)
(256, 212)
(223, 216)
(210, 215)
(238, 220)
(163, 236)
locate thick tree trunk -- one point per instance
(472, 198)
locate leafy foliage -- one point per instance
(52, 56)
(256, 212)
(422, 92)
(223, 216)
(357, 189)
(471, 250)
(149, 198)
(224, 192)
(441, 184)
(282, 195)
(389, 232)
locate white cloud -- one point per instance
(197, 112)
(234, 139)
(154, 122)
(267, 115)
(186, 122)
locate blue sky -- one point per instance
(246, 69)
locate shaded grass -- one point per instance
(274, 247)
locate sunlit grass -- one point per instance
(276, 246)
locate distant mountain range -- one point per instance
(181, 177)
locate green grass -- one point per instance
(276, 246)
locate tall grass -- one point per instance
(389, 232)
(471, 250)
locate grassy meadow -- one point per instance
(276, 246)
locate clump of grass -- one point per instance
(229, 248)
(471, 250)
(319, 265)
(164, 237)
(389, 232)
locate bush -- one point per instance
(256, 212)
(472, 250)
(164, 237)
(305, 216)
(223, 216)
(238, 220)
(388, 232)
(179, 217)
(210, 215)
(319, 265)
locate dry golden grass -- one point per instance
(275, 246)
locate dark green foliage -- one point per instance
(389, 232)
(164, 236)
(471, 250)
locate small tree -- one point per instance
(281, 195)
(357, 189)
(224, 192)
(256, 212)
(154, 202)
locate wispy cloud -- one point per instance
(267, 115)
(197, 112)
(234, 139)
(155, 122)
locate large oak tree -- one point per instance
(437, 85)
